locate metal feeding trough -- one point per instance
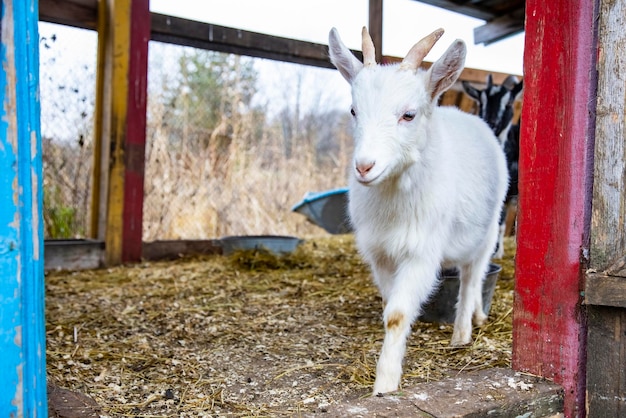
(441, 307)
(275, 244)
(328, 210)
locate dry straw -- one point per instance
(248, 335)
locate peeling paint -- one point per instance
(22, 363)
(18, 399)
(35, 215)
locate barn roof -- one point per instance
(503, 17)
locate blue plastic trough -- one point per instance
(328, 210)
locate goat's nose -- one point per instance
(364, 168)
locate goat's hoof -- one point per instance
(380, 388)
(460, 340)
(479, 319)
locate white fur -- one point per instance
(428, 194)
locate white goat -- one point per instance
(426, 189)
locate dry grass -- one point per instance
(248, 335)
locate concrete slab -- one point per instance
(497, 393)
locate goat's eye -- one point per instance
(353, 112)
(408, 116)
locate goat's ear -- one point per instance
(447, 69)
(510, 82)
(342, 58)
(473, 92)
(516, 90)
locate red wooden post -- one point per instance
(136, 130)
(556, 177)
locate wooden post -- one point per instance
(22, 335)
(555, 182)
(605, 290)
(376, 27)
(123, 34)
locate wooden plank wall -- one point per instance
(605, 290)
(22, 333)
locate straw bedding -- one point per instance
(245, 335)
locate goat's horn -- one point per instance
(415, 56)
(369, 55)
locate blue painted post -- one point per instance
(22, 333)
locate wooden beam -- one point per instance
(500, 28)
(78, 13)
(22, 324)
(605, 290)
(122, 91)
(555, 182)
(375, 27)
(185, 32)
(460, 7)
(208, 36)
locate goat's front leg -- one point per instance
(412, 284)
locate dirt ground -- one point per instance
(246, 335)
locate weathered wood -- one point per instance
(22, 324)
(170, 250)
(461, 7)
(376, 27)
(498, 393)
(136, 120)
(556, 151)
(121, 122)
(500, 28)
(101, 143)
(504, 18)
(75, 254)
(606, 371)
(601, 289)
(115, 37)
(186, 32)
(78, 13)
(450, 98)
(606, 374)
(65, 403)
(618, 268)
(608, 222)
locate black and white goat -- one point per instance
(426, 189)
(495, 103)
(495, 106)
